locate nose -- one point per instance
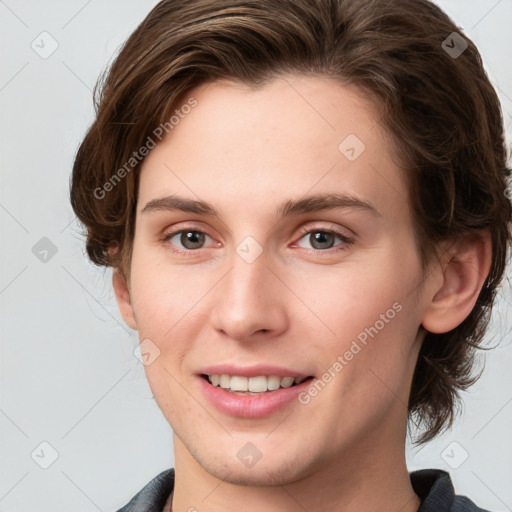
(250, 301)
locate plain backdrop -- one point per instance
(74, 397)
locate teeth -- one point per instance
(224, 381)
(259, 384)
(256, 384)
(238, 384)
(273, 383)
(286, 382)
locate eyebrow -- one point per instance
(308, 204)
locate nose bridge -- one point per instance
(246, 283)
(248, 300)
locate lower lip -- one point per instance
(251, 406)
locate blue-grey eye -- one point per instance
(322, 240)
(319, 239)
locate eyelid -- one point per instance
(304, 230)
(184, 226)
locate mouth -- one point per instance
(252, 392)
(253, 386)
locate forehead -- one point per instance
(293, 135)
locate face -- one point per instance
(273, 239)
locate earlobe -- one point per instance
(123, 298)
(465, 267)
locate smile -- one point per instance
(253, 385)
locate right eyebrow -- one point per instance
(180, 204)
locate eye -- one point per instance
(322, 239)
(190, 239)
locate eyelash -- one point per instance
(346, 241)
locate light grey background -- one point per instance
(69, 375)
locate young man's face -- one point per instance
(328, 293)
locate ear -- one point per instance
(122, 291)
(465, 266)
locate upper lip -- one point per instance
(252, 371)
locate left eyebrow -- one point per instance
(320, 202)
(308, 204)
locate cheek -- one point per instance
(367, 319)
(350, 298)
(162, 294)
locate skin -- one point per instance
(246, 152)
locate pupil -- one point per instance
(192, 239)
(322, 240)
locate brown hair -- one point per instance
(439, 108)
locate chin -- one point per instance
(265, 473)
(262, 477)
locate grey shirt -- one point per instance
(433, 486)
